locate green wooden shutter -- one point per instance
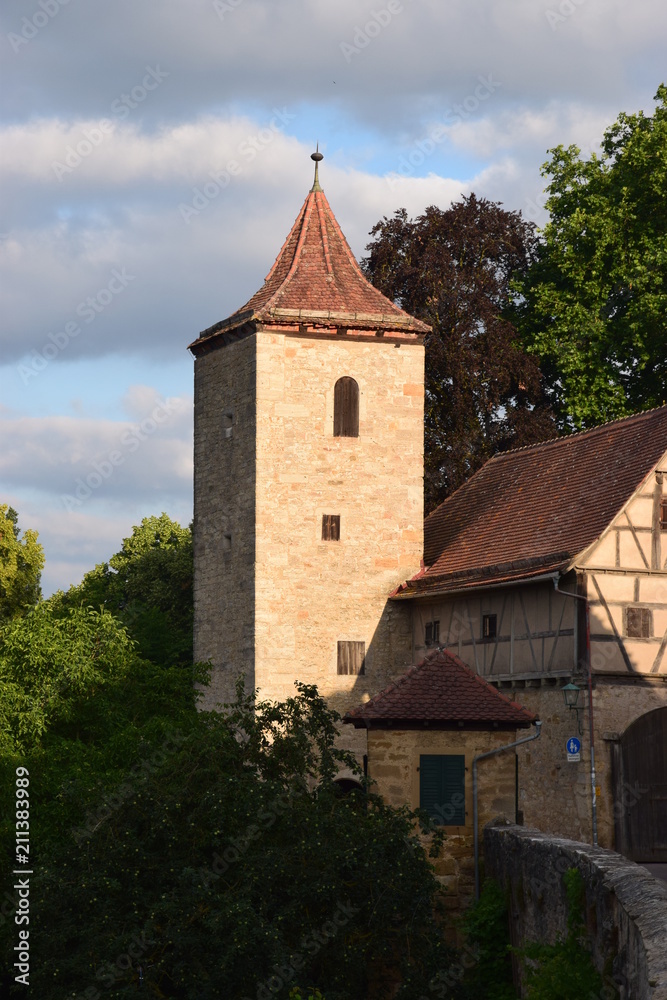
(442, 787)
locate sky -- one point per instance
(155, 154)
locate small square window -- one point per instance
(351, 657)
(330, 527)
(432, 633)
(638, 623)
(489, 626)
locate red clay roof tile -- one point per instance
(535, 509)
(441, 689)
(315, 279)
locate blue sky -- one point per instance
(114, 116)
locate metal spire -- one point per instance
(317, 156)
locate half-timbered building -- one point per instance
(551, 559)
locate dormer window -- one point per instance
(346, 408)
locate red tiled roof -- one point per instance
(440, 690)
(316, 280)
(533, 510)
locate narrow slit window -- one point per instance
(638, 623)
(346, 408)
(228, 423)
(330, 527)
(489, 626)
(351, 657)
(227, 542)
(432, 633)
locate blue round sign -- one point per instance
(573, 745)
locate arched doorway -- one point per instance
(640, 789)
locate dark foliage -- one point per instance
(231, 866)
(453, 268)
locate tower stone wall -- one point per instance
(274, 599)
(225, 478)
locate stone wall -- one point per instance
(224, 514)
(309, 593)
(393, 764)
(625, 909)
(566, 809)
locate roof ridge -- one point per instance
(305, 219)
(561, 438)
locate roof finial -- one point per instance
(317, 156)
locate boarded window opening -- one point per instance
(346, 408)
(351, 657)
(228, 423)
(638, 623)
(442, 788)
(432, 633)
(489, 626)
(330, 527)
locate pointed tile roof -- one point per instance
(534, 510)
(443, 692)
(316, 281)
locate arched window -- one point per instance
(346, 408)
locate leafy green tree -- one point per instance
(453, 268)
(21, 564)
(593, 306)
(234, 868)
(148, 586)
(48, 664)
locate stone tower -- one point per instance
(308, 476)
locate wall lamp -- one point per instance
(571, 697)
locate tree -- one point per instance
(593, 306)
(235, 868)
(453, 268)
(48, 663)
(148, 586)
(21, 564)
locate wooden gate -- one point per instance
(640, 788)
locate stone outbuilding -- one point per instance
(424, 732)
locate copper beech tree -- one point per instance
(452, 268)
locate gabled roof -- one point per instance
(532, 511)
(316, 280)
(443, 692)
